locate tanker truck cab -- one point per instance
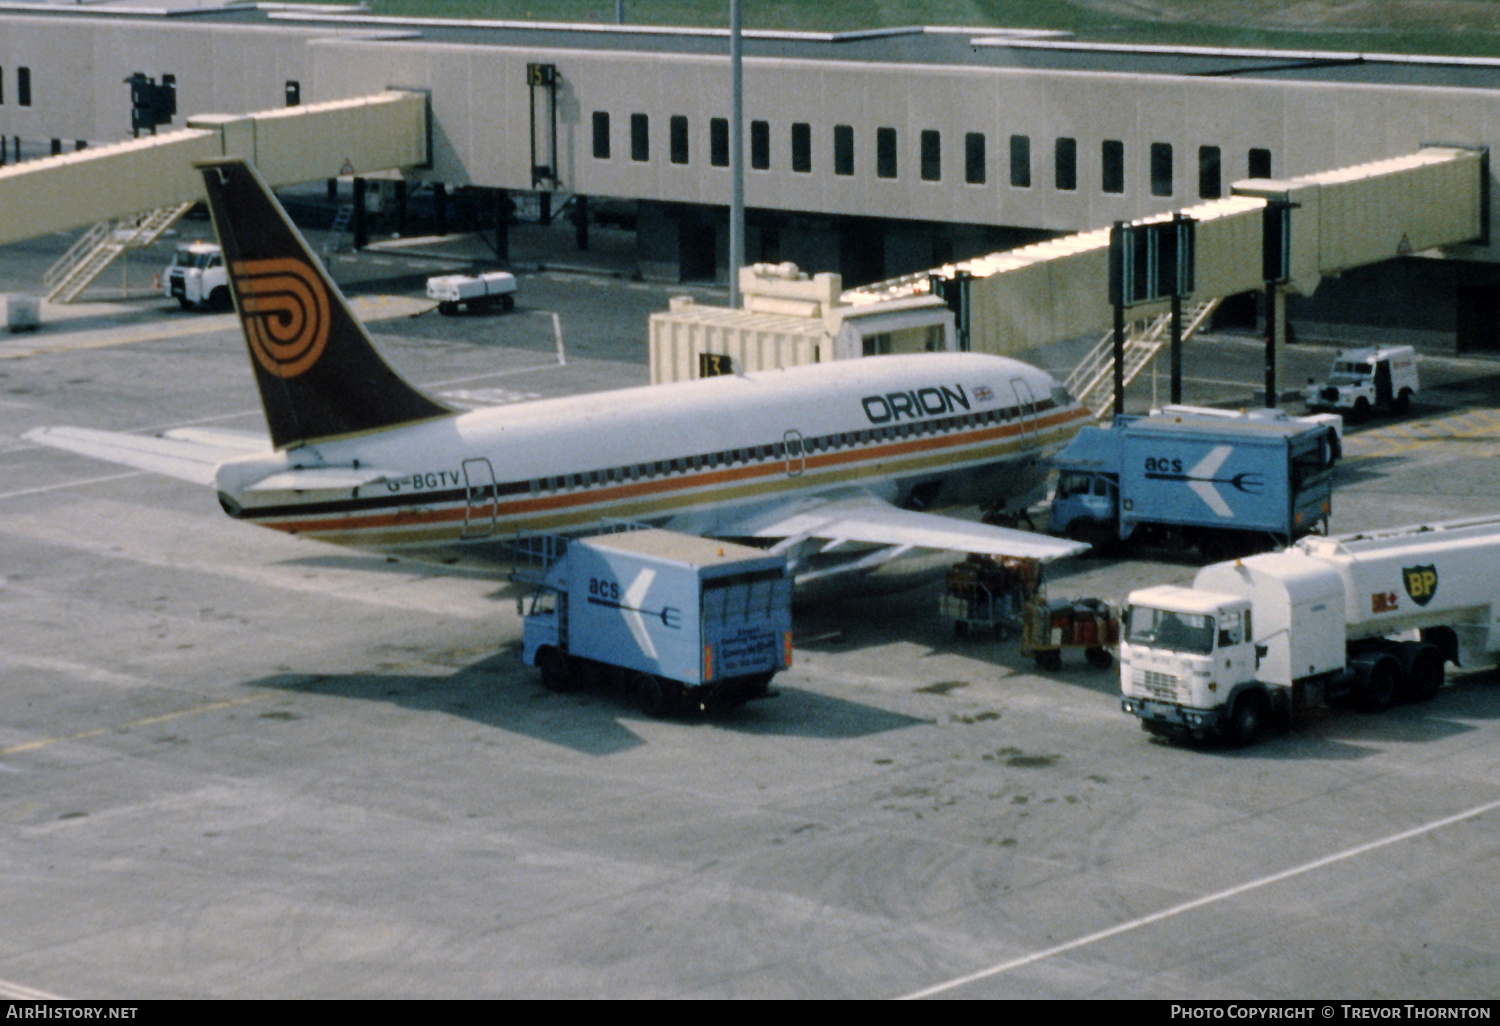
(1183, 651)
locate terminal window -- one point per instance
(974, 170)
(678, 136)
(1020, 161)
(640, 137)
(718, 142)
(932, 156)
(843, 150)
(1210, 175)
(760, 145)
(601, 135)
(801, 147)
(1112, 155)
(1260, 163)
(885, 153)
(1065, 157)
(1161, 169)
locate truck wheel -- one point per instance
(1380, 684)
(184, 302)
(556, 673)
(1247, 720)
(507, 303)
(1361, 411)
(1099, 658)
(218, 299)
(447, 309)
(1403, 401)
(656, 697)
(1425, 675)
(1049, 660)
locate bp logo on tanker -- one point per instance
(1421, 582)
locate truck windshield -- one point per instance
(1347, 372)
(1179, 632)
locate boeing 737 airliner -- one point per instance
(837, 464)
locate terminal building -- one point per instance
(870, 154)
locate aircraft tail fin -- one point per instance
(319, 373)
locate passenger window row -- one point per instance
(793, 447)
(1112, 167)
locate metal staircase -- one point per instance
(98, 247)
(340, 238)
(1093, 381)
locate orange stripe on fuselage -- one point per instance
(417, 518)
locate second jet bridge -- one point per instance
(1340, 219)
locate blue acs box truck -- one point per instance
(1227, 485)
(682, 622)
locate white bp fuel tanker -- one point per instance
(1370, 617)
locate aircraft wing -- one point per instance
(191, 454)
(869, 519)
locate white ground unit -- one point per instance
(472, 291)
(1367, 617)
(1362, 380)
(790, 318)
(197, 277)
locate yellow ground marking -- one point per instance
(30, 746)
(1443, 429)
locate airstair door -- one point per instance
(479, 498)
(796, 453)
(1025, 404)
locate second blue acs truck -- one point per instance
(1226, 485)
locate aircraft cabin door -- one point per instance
(480, 500)
(796, 453)
(1025, 404)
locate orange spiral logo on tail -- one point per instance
(285, 310)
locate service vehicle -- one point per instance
(197, 278)
(472, 292)
(1226, 485)
(1363, 380)
(1368, 617)
(683, 622)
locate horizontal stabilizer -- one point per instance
(229, 439)
(868, 519)
(320, 479)
(183, 458)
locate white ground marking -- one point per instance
(1208, 899)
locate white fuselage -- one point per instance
(924, 431)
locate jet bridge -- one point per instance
(294, 144)
(1011, 301)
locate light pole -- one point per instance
(736, 156)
